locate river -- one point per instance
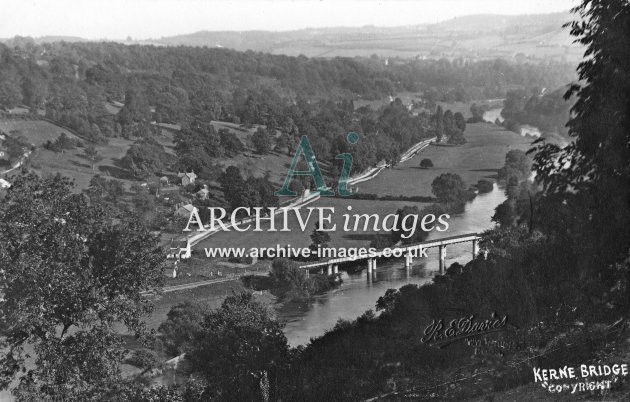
(525, 129)
(357, 294)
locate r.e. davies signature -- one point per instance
(460, 328)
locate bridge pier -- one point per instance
(408, 259)
(330, 269)
(475, 248)
(307, 273)
(442, 252)
(335, 269)
(371, 265)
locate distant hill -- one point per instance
(527, 37)
(20, 40)
(494, 22)
(520, 37)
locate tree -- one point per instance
(449, 122)
(171, 105)
(517, 164)
(319, 238)
(241, 351)
(484, 186)
(231, 183)
(460, 122)
(183, 322)
(136, 108)
(230, 142)
(65, 143)
(456, 137)
(439, 123)
(146, 157)
(196, 144)
(92, 154)
(396, 235)
(449, 187)
(477, 113)
(101, 189)
(426, 163)
(70, 273)
(262, 141)
(10, 91)
(35, 90)
(415, 234)
(504, 214)
(586, 182)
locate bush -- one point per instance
(182, 323)
(144, 359)
(381, 241)
(457, 138)
(484, 186)
(426, 163)
(257, 282)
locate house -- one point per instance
(179, 249)
(187, 178)
(164, 181)
(184, 209)
(4, 184)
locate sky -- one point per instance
(144, 19)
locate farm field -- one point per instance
(75, 165)
(480, 157)
(36, 132)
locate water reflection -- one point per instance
(493, 114)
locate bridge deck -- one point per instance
(427, 244)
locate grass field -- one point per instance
(36, 132)
(73, 163)
(479, 158)
(199, 268)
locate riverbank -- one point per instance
(479, 158)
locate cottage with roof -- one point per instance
(184, 209)
(187, 178)
(179, 249)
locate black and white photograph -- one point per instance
(314, 200)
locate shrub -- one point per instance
(144, 359)
(426, 163)
(484, 186)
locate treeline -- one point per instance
(73, 81)
(548, 111)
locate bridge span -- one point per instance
(408, 252)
